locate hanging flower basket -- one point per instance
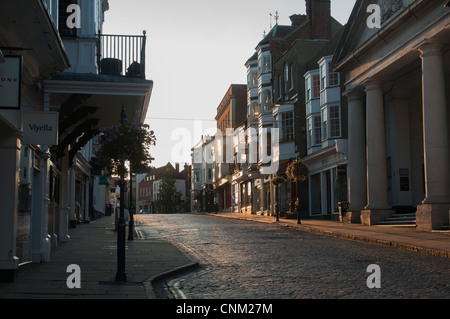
(297, 171)
(277, 181)
(125, 142)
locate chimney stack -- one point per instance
(297, 19)
(319, 14)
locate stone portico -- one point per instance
(397, 79)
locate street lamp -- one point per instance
(276, 182)
(121, 275)
(277, 203)
(131, 222)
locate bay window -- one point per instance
(331, 122)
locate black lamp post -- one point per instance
(131, 222)
(121, 275)
(297, 202)
(277, 202)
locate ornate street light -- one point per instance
(119, 143)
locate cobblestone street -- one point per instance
(240, 259)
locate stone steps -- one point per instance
(407, 219)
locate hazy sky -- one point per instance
(195, 50)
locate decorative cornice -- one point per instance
(389, 8)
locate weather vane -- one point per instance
(276, 18)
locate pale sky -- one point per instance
(195, 50)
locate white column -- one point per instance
(377, 207)
(377, 184)
(434, 212)
(41, 241)
(9, 172)
(435, 133)
(357, 181)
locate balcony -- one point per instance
(107, 72)
(121, 55)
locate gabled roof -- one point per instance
(338, 55)
(159, 172)
(359, 38)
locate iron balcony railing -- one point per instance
(122, 55)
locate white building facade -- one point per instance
(326, 140)
(398, 112)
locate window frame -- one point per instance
(287, 125)
(337, 119)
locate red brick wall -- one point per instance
(319, 13)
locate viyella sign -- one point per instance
(40, 128)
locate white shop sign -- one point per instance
(40, 128)
(10, 82)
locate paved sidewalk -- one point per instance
(435, 243)
(93, 247)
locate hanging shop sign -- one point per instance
(10, 82)
(40, 128)
(103, 180)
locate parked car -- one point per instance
(143, 211)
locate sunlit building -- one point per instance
(275, 101)
(397, 82)
(327, 147)
(231, 110)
